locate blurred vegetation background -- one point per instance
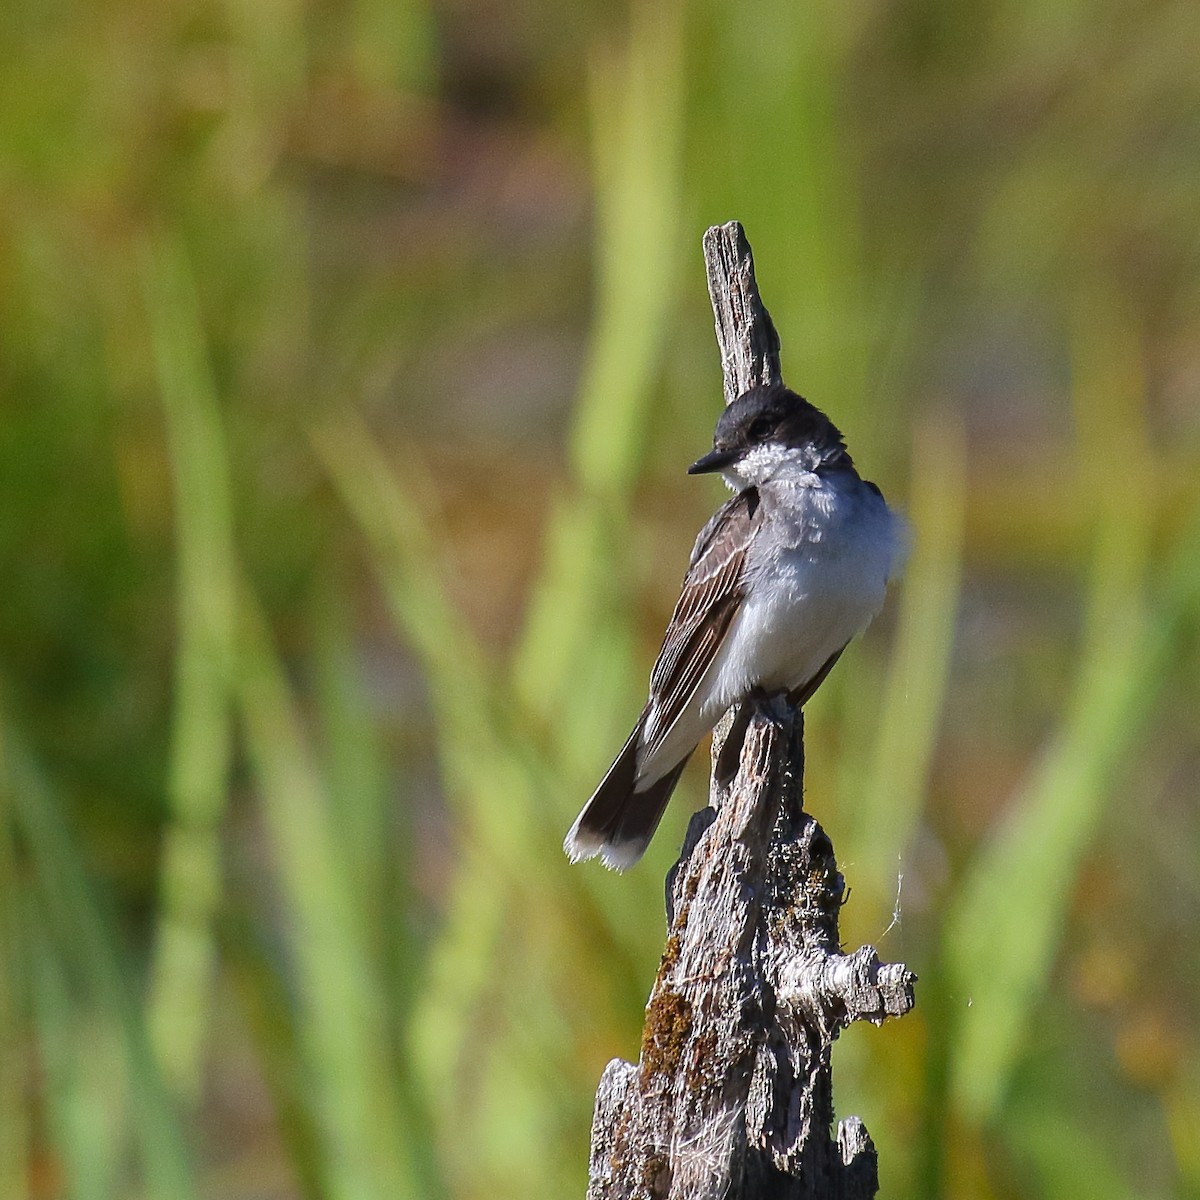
(352, 355)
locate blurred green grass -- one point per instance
(352, 355)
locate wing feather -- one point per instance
(711, 595)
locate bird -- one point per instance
(790, 569)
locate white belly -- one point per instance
(794, 622)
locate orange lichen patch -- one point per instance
(670, 956)
(668, 1023)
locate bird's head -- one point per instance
(770, 433)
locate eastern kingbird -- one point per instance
(780, 579)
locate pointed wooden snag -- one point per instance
(732, 1095)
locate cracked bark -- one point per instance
(732, 1095)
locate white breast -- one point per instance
(817, 582)
(816, 578)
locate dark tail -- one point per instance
(618, 822)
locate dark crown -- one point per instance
(775, 413)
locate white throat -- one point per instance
(773, 462)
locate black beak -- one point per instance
(714, 460)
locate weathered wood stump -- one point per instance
(733, 1095)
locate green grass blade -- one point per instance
(355, 774)
(637, 105)
(511, 875)
(405, 558)
(889, 806)
(487, 783)
(792, 184)
(1005, 927)
(90, 951)
(1005, 924)
(578, 637)
(487, 770)
(637, 120)
(15, 1085)
(575, 670)
(85, 1082)
(190, 882)
(377, 841)
(343, 1023)
(266, 1007)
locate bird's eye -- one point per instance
(760, 427)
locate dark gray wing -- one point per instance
(747, 499)
(711, 595)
